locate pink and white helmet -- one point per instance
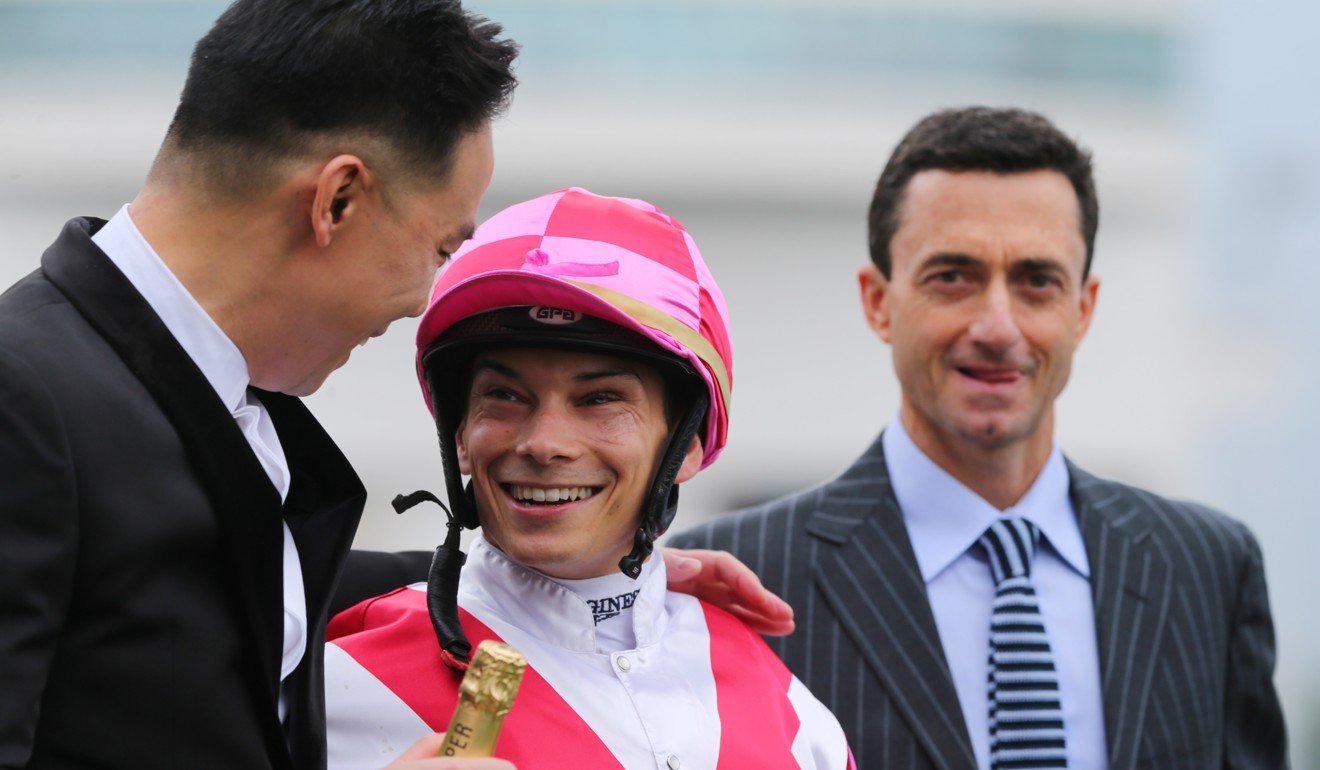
(621, 260)
(579, 270)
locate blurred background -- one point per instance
(763, 126)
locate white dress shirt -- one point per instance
(944, 521)
(223, 365)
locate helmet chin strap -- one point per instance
(442, 584)
(645, 537)
(662, 502)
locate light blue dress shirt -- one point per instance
(944, 520)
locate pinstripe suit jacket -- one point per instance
(1185, 636)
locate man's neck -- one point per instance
(1002, 474)
(225, 256)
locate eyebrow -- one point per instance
(1040, 263)
(590, 376)
(601, 374)
(948, 259)
(952, 259)
(498, 368)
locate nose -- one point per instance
(995, 326)
(547, 437)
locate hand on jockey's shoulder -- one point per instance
(422, 756)
(717, 577)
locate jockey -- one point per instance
(576, 358)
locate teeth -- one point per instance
(556, 495)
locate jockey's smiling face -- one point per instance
(562, 447)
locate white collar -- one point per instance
(945, 518)
(540, 606)
(205, 343)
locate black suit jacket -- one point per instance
(141, 621)
(1185, 637)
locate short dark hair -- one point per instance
(271, 75)
(1003, 141)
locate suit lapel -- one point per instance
(322, 511)
(247, 505)
(875, 587)
(325, 499)
(1131, 589)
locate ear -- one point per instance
(338, 195)
(464, 466)
(875, 300)
(691, 462)
(1090, 291)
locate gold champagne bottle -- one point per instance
(484, 698)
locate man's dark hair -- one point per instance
(1003, 141)
(271, 75)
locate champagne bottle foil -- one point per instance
(484, 698)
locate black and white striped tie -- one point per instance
(1026, 721)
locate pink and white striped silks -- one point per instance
(700, 691)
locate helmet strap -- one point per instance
(460, 495)
(661, 503)
(442, 584)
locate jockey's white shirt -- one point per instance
(694, 689)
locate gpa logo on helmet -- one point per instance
(555, 316)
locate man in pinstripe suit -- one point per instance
(1160, 642)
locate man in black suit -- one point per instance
(172, 519)
(966, 596)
